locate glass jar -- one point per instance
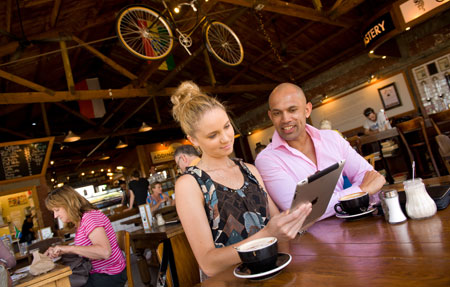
(418, 203)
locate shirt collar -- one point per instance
(278, 141)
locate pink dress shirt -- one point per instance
(282, 166)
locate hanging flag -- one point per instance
(168, 64)
(153, 47)
(18, 233)
(90, 108)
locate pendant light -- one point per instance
(121, 144)
(144, 128)
(71, 137)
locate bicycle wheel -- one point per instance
(223, 43)
(144, 32)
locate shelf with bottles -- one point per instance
(432, 80)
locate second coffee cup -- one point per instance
(354, 203)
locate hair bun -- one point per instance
(184, 93)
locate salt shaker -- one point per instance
(418, 203)
(391, 206)
(160, 220)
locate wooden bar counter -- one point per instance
(365, 252)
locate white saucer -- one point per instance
(354, 216)
(241, 271)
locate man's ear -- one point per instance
(308, 109)
(269, 114)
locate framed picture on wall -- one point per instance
(389, 96)
(444, 64)
(420, 73)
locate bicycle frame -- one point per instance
(184, 39)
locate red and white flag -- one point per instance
(90, 108)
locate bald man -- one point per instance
(299, 150)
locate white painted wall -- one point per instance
(346, 113)
(260, 136)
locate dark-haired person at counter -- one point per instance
(299, 150)
(375, 122)
(94, 238)
(221, 202)
(138, 188)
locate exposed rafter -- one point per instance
(291, 9)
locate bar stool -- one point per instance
(417, 124)
(439, 119)
(442, 140)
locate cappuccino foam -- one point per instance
(353, 195)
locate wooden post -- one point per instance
(44, 117)
(158, 117)
(26, 83)
(209, 67)
(67, 68)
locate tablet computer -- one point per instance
(317, 189)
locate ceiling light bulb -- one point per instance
(384, 57)
(371, 51)
(52, 162)
(176, 9)
(407, 28)
(119, 167)
(82, 174)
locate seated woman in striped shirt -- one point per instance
(94, 239)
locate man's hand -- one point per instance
(373, 181)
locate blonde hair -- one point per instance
(67, 198)
(189, 105)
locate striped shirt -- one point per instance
(91, 220)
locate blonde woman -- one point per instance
(94, 239)
(222, 202)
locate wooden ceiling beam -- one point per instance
(20, 135)
(26, 83)
(37, 97)
(291, 9)
(67, 68)
(341, 7)
(313, 48)
(11, 47)
(268, 51)
(105, 59)
(75, 113)
(45, 119)
(55, 13)
(343, 55)
(8, 15)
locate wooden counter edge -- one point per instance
(46, 278)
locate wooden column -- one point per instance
(44, 118)
(67, 68)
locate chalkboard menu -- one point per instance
(24, 159)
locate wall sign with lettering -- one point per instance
(378, 28)
(24, 159)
